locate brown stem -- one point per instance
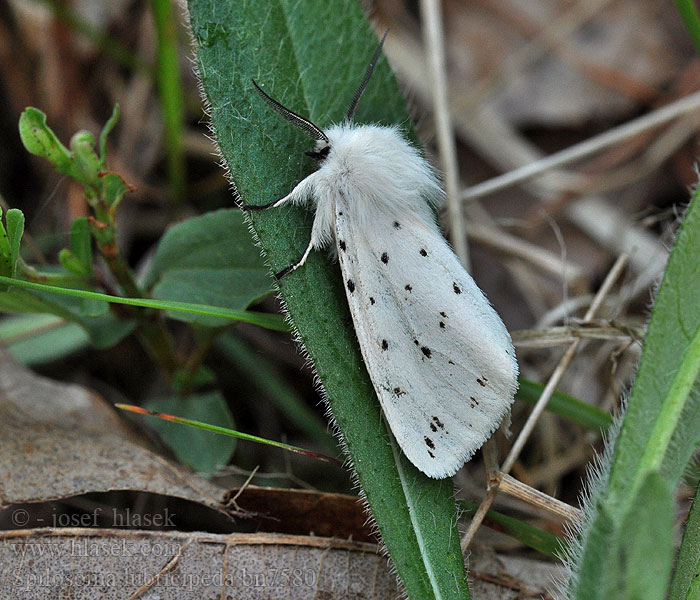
(152, 332)
(197, 358)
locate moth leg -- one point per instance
(294, 266)
(298, 195)
(320, 237)
(273, 204)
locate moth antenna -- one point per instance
(305, 125)
(370, 69)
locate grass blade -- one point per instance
(269, 321)
(585, 415)
(228, 432)
(686, 579)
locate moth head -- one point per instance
(321, 152)
(308, 127)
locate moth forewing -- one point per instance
(441, 361)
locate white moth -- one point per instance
(441, 360)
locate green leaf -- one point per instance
(598, 571)
(10, 238)
(183, 380)
(662, 423)
(209, 260)
(646, 551)
(661, 427)
(102, 326)
(80, 162)
(5, 252)
(41, 338)
(15, 229)
(686, 577)
(39, 139)
(109, 125)
(78, 259)
(196, 448)
(689, 14)
(113, 189)
(81, 243)
(566, 406)
(87, 163)
(311, 56)
(70, 262)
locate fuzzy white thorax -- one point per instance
(375, 167)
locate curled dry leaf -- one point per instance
(60, 440)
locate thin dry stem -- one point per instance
(246, 483)
(517, 489)
(592, 145)
(658, 150)
(540, 258)
(435, 49)
(489, 452)
(561, 336)
(549, 389)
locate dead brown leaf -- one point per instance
(61, 440)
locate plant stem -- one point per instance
(152, 332)
(204, 342)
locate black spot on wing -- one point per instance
(473, 402)
(408, 287)
(385, 345)
(429, 442)
(398, 392)
(371, 300)
(341, 244)
(443, 314)
(480, 382)
(351, 285)
(426, 351)
(397, 225)
(423, 252)
(438, 422)
(385, 257)
(456, 288)
(433, 428)
(442, 324)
